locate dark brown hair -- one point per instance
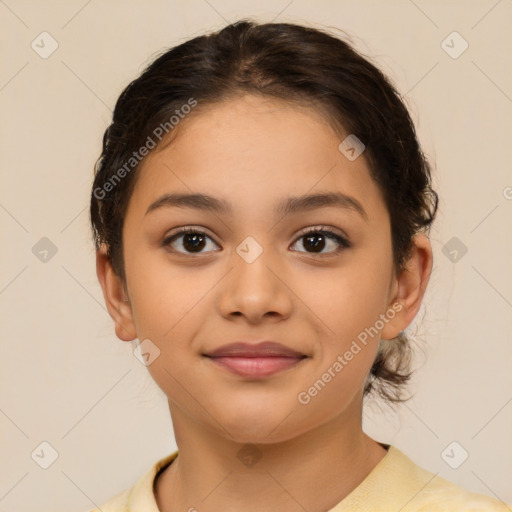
(296, 64)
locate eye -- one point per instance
(193, 240)
(315, 240)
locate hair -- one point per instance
(293, 63)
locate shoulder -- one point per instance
(140, 496)
(442, 495)
(119, 503)
(397, 483)
(433, 493)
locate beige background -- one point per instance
(65, 377)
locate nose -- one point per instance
(256, 290)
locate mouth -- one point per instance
(255, 361)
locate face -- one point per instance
(251, 272)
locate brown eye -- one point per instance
(192, 241)
(316, 240)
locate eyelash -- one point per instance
(342, 241)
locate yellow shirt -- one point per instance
(395, 484)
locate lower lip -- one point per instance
(256, 366)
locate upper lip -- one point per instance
(263, 349)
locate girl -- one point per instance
(260, 211)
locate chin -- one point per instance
(258, 429)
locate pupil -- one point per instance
(318, 245)
(196, 241)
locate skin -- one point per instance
(253, 152)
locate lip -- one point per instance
(255, 360)
(262, 349)
(256, 367)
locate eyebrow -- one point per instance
(290, 205)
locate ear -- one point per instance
(410, 287)
(116, 298)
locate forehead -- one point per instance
(253, 150)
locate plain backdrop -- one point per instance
(66, 380)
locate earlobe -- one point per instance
(412, 283)
(116, 300)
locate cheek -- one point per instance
(351, 298)
(350, 302)
(169, 312)
(164, 297)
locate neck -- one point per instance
(314, 470)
